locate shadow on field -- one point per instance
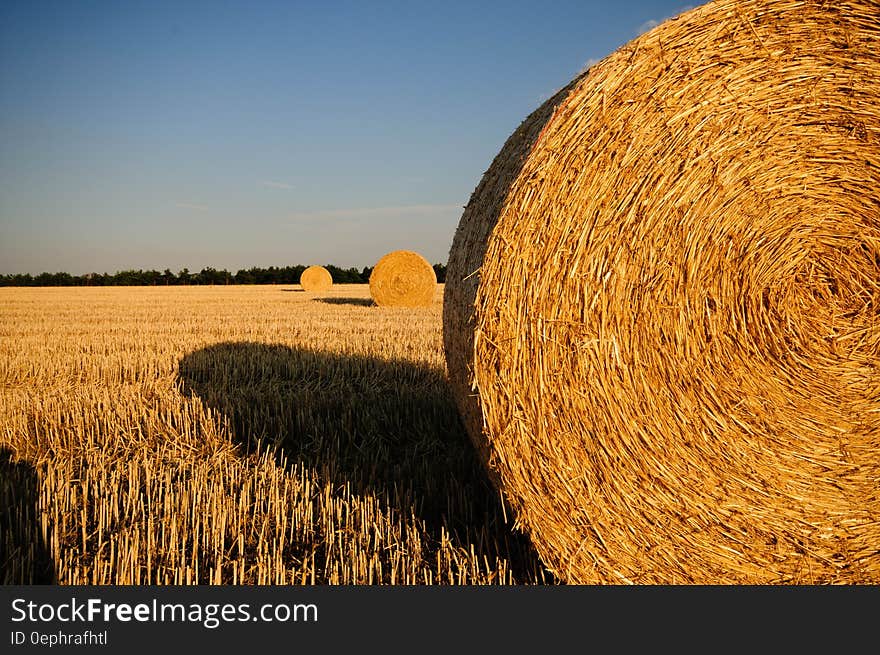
(362, 302)
(294, 290)
(384, 427)
(24, 558)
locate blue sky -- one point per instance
(235, 134)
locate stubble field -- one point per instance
(238, 435)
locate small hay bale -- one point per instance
(662, 305)
(403, 278)
(316, 278)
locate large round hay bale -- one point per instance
(403, 278)
(662, 305)
(316, 278)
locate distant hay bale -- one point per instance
(662, 305)
(403, 278)
(316, 278)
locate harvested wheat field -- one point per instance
(661, 305)
(238, 435)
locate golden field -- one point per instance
(238, 435)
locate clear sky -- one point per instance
(234, 134)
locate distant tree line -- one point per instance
(208, 275)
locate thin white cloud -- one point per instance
(588, 64)
(190, 205)
(372, 213)
(272, 184)
(649, 25)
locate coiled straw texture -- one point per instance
(403, 278)
(662, 305)
(316, 278)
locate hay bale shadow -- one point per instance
(361, 302)
(388, 428)
(24, 557)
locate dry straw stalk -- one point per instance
(316, 278)
(662, 306)
(403, 278)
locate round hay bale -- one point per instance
(316, 278)
(662, 305)
(403, 278)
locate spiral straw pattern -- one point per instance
(403, 278)
(316, 278)
(662, 305)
